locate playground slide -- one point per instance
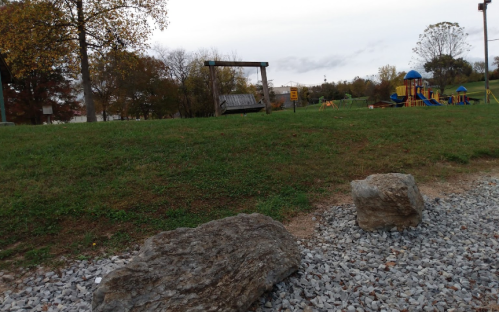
(399, 102)
(395, 98)
(426, 101)
(435, 102)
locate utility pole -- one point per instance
(483, 7)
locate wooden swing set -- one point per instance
(214, 82)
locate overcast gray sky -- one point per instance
(305, 40)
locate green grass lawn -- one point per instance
(84, 189)
(477, 90)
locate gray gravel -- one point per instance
(67, 290)
(449, 262)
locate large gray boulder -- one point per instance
(223, 265)
(384, 201)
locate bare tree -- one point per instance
(179, 63)
(440, 39)
(193, 79)
(440, 51)
(479, 67)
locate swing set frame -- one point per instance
(214, 82)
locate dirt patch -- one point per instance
(303, 225)
(455, 185)
(452, 186)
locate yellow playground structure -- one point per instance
(414, 93)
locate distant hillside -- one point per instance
(477, 89)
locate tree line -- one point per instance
(439, 55)
(49, 43)
(380, 86)
(42, 44)
(63, 51)
(171, 83)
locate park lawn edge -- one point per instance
(95, 189)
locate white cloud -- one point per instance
(303, 41)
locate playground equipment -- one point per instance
(325, 103)
(347, 102)
(239, 103)
(348, 99)
(413, 92)
(459, 99)
(215, 87)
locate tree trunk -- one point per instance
(187, 102)
(442, 83)
(85, 73)
(214, 91)
(266, 95)
(145, 112)
(31, 107)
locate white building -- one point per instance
(83, 118)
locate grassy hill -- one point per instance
(86, 189)
(477, 89)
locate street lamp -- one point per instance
(483, 7)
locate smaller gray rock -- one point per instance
(387, 200)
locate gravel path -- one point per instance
(68, 290)
(449, 262)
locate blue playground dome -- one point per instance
(412, 75)
(461, 89)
